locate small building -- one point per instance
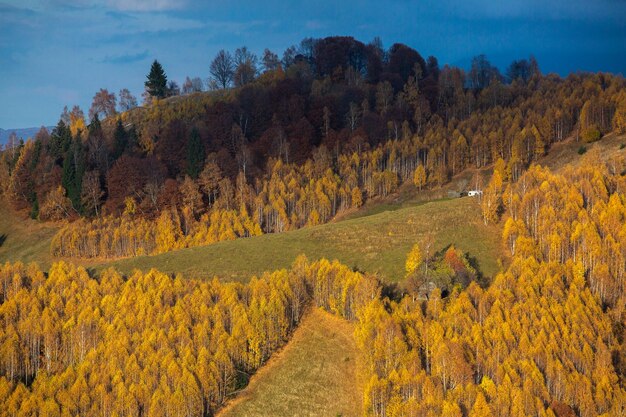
(474, 193)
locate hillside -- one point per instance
(344, 124)
(376, 243)
(315, 374)
(26, 240)
(23, 239)
(566, 153)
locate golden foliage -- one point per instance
(414, 259)
(150, 343)
(537, 337)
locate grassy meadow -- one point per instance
(376, 243)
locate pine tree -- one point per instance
(34, 213)
(73, 171)
(157, 81)
(120, 139)
(195, 154)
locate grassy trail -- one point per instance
(316, 374)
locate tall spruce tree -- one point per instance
(195, 154)
(157, 81)
(73, 172)
(120, 142)
(60, 142)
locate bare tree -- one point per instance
(91, 193)
(192, 85)
(13, 144)
(103, 104)
(196, 84)
(289, 56)
(270, 60)
(127, 100)
(222, 69)
(384, 97)
(353, 116)
(482, 72)
(245, 66)
(172, 89)
(187, 87)
(244, 157)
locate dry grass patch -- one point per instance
(562, 154)
(316, 374)
(23, 239)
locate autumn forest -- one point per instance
(268, 145)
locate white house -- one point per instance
(474, 193)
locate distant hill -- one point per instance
(24, 133)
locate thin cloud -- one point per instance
(146, 5)
(537, 9)
(120, 5)
(314, 25)
(126, 58)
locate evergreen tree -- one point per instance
(60, 142)
(120, 137)
(133, 139)
(195, 154)
(157, 81)
(34, 213)
(73, 171)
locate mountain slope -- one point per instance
(24, 133)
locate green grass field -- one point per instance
(376, 243)
(23, 239)
(316, 374)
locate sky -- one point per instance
(60, 52)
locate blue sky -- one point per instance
(60, 52)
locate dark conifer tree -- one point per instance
(60, 142)
(195, 154)
(157, 81)
(120, 137)
(73, 171)
(34, 212)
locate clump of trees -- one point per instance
(446, 269)
(131, 235)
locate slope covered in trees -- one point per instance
(333, 124)
(150, 344)
(545, 338)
